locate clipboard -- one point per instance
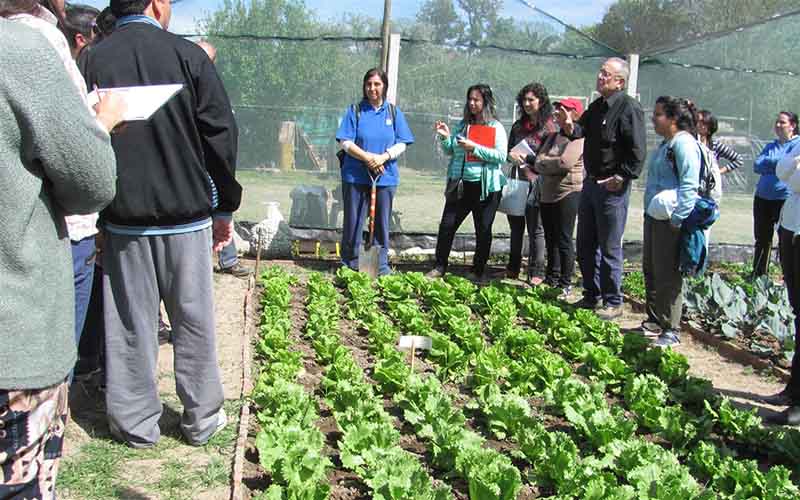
(142, 101)
(522, 148)
(480, 134)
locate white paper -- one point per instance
(419, 342)
(522, 148)
(142, 101)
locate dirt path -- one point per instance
(741, 383)
(97, 467)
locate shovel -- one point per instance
(369, 255)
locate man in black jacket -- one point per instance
(613, 153)
(161, 223)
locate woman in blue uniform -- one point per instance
(373, 133)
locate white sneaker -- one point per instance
(222, 421)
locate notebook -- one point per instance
(480, 134)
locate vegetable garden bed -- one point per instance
(520, 396)
(749, 322)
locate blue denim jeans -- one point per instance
(601, 222)
(228, 256)
(83, 255)
(355, 201)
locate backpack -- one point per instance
(706, 209)
(710, 177)
(357, 112)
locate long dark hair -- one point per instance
(545, 106)
(681, 110)
(10, 8)
(384, 78)
(488, 113)
(712, 125)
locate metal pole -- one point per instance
(633, 78)
(385, 31)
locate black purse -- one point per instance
(454, 191)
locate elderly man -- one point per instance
(614, 153)
(228, 256)
(159, 226)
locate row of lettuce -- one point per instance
(637, 425)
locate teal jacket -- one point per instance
(488, 171)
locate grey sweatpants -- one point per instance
(662, 276)
(138, 271)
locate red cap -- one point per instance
(573, 104)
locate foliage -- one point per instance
(730, 311)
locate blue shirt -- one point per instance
(661, 174)
(769, 186)
(375, 134)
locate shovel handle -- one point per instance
(373, 197)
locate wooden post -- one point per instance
(633, 78)
(258, 256)
(413, 353)
(385, 31)
(394, 67)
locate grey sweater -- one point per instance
(55, 160)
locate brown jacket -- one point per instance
(560, 164)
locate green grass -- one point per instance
(420, 200)
(101, 469)
(94, 473)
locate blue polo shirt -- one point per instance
(769, 187)
(376, 133)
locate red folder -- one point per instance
(480, 134)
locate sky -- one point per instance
(186, 13)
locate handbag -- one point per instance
(454, 190)
(514, 196)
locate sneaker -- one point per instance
(436, 272)
(534, 280)
(780, 399)
(668, 338)
(790, 416)
(164, 333)
(222, 421)
(237, 270)
(117, 434)
(565, 293)
(609, 313)
(585, 303)
(650, 327)
(477, 278)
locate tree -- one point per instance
(633, 26)
(446, 26)
(482, 18)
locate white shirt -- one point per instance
(788, 171)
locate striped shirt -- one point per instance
(725, 152)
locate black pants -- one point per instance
(766, 214)
(558, 220)
(790, 264)
(453, 215)
(533, 221)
